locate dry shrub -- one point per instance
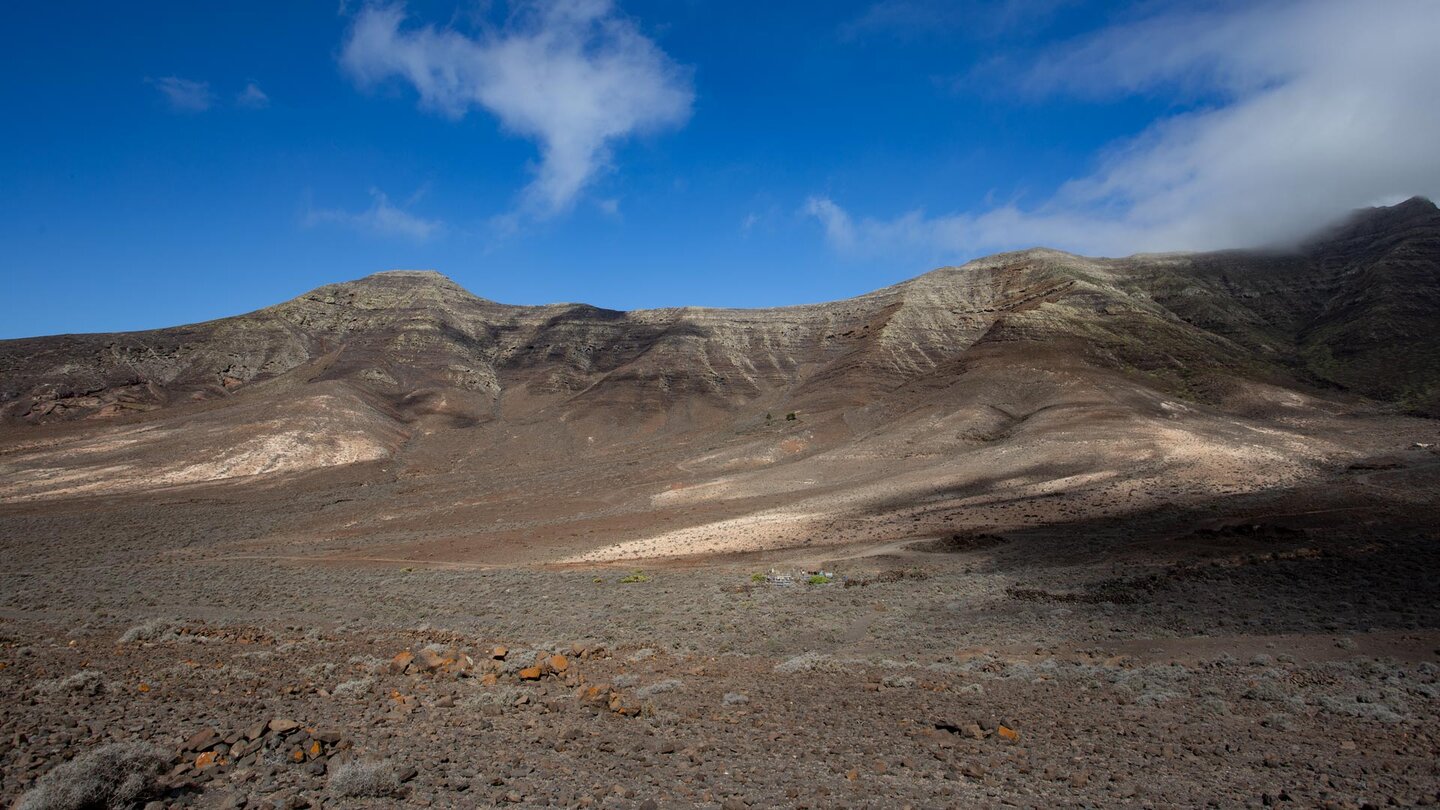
(112, 776)
(362, 779)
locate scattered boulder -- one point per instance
(401, 662)
(201, 740)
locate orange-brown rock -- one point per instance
(401, 661)
(530, 674)
(594, 695)
(428, 660)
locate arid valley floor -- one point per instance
(1038, 531)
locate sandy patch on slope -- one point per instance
(317, 431)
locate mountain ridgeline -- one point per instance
(1353, 310)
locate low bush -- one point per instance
(114, 776)
(362, 779)
(659, 687)
(152, 630)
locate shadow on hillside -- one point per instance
(1323, 558)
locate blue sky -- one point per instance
(172, 162)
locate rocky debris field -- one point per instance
(1282, 651)
(243, 717)
(962, 677)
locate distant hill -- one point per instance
(1354, 309)
(1028, 372)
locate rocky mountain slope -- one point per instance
(1119, 382)
(1350, 310)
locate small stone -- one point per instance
(594, 695)
(202, 739)
(401, 661)
(499, 653)
(428, 660)
(281, 725)
(529, 674)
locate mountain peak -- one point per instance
(1416, 206)
(1370, 223)
(423, 282)
(1417, 203)
(420, 277)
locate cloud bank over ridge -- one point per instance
(1303, 110)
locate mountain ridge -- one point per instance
(1172, 314)
(462, 427)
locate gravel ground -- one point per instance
(1243, 667)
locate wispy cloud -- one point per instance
(382, 218)
(252, 97)
(1300, 110)
(574, 75)
(184, 95)
(748, 223)
(609, 206)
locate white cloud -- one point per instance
(382, 218)
(571, 74)
(252, 97)
(1310, 108)
(184, 95)
(839, 228)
